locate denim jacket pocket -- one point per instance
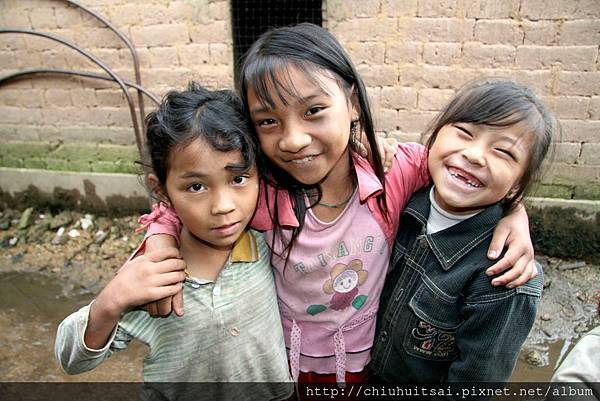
(431, 330)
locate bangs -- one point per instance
(270, 76)
(496, 107)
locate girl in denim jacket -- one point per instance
(440, 320)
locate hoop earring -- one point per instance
(354, 139)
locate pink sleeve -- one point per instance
(162, 220)
(262, 220)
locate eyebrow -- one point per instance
(234, 167)
(303, 100)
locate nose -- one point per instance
(475, 153)
(222, 202)
(295, 138)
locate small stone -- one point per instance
(581, 328)
(26, 218)
(13, 241)
(534, 358)
(571, 266)
(73, 233)
(86, 222)
(60, 220)
(580, 297)
(546, 317)
(100, 237)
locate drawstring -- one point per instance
(295, 341)
(340, 357)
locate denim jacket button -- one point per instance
(383, 336)
(423, 243)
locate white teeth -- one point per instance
(303, 160)
(469, 183)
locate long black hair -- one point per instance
(501, 102)
(312, 50)
(217, 117)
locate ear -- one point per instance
(354, 103)
(157, 189)
(512, 193)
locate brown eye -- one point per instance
(196, 187)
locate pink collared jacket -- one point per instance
(329, 290)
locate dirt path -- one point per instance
(45, 276)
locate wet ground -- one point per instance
(45, 276)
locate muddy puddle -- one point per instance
(31, 307)
(33, 304)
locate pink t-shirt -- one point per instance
(329, 292)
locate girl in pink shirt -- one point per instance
(329, 215)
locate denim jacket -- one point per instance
(440, 319)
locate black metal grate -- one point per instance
(250, 18)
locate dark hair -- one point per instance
(311, 49)
(499, 102)
(218, 117)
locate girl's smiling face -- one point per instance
(306, 132)
(473, 166)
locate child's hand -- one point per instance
(513, 232)
(147, 278)
(164, 306)
(387, 148)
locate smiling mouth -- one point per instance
(465, 178)
(227, 228)
(303, 160)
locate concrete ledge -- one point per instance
(559, 227)
(98, 192)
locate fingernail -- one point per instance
(489, 272)
(492, 254)
(495, 283)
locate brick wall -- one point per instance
(413, 55)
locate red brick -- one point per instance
(595, 107)
(569, 174)
(384, 75)
(414, 121)
(386, 120)
(566, 153)
(571, 107)
(160, 35)
(366, 52)
(98, 38)
(590, 154)
(442, 53)
(434, 99)
(85, 97)
(42, 18)
(193, 54)
(540, 32)
(215, 32)
(395, 97)
(483, 9)
(163, 57)
(403, 52)
(405, 137)
(580, 130)
(439, 30)
(580, 32)
(67, 17)
(367, 29)
(220, 53)
(19, 115)
(440, 8)
(58, 98)
(486, 56)
(560, 10)
(395, 8)
(579, 83)
(498, 32)
(570, 58)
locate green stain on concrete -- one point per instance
(78, 157)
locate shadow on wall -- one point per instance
(566, 232)
(60, 198)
